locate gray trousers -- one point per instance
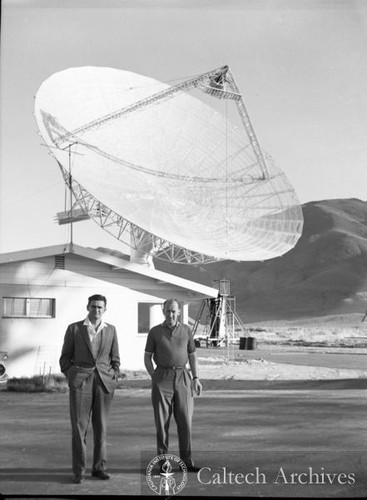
(89, 400)
(172, 393)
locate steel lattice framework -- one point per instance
(119, 227)
(157, 172)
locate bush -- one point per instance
(51, 383)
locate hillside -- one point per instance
(326, 273)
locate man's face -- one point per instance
(171, 312)
(96, 309)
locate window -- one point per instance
(28, 307)
(149, 315)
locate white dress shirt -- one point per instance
(91, 330)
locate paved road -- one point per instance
(285, 442)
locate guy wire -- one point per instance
(226, 189)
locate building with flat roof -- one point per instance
(45, 289)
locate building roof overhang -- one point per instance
(155, 282)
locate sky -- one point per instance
(301, 67)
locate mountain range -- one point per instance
(324, 274)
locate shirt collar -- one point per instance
(88, 324)
(165, 325)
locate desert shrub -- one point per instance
(39, 383)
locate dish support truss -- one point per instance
(134, 236)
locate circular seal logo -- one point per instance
(166, 474)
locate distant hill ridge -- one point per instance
(326, 272)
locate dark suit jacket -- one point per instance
(77, 361)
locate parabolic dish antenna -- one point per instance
(165, 170)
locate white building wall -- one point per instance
(34, 345)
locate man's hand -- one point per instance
(193, 361)
(197, 386)
(149, 363)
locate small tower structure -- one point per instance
(221, 323)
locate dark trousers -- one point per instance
(172, 393)
(89, 400)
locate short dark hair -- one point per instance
(97, 297)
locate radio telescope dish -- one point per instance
(164, 170)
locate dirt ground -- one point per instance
(283, 363)
(272, 437)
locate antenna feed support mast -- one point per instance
(215, 83)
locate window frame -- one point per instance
(27, 305)
(148, 305)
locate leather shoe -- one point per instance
(192, 468)
(78, 479)
(100, 474)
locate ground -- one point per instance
(274, 422)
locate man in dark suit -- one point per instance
(90, 360)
